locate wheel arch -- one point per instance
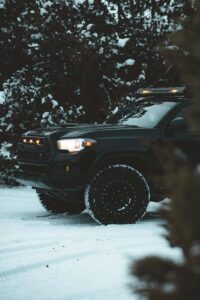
(133, 159)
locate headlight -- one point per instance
(75, 145)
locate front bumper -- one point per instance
(43, 166)
(52, 178)
(49, 181)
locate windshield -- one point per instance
(143, 113)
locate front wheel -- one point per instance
(117, 194)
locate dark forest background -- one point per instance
(77, 61)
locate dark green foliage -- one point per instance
(62, 62)
(167, 279)
(187, 57)
(7, 167)
(17, 18)
(163, 279)
(182, 213)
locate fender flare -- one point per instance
(134, 158)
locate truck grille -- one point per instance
(34, 149)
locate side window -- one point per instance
(183, 113)
(180, 120)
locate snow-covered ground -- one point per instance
(44, 256)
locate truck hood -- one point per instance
(94, 131)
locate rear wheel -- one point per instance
(117, 194)
(70, 202)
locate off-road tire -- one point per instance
(117, 194)
(70, 202)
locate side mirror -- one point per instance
(178, 123)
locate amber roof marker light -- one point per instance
(146, 92)
(174, 91)
(35, 141)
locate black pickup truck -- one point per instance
(108, 169)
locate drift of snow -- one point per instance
(49, 257)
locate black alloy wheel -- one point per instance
(118, 194)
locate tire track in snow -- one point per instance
(23, 247)
(24, 269)
(63, 219)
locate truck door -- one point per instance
(182, 136)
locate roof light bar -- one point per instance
(161, 91)
(146, 92)
(174, 91)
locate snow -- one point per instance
(4, 150)
(54, 103)
(122, 42)
(44, 256)
(45, 114)
(2, 97)
(115, 110)
(128, 62)
(82, 1)
(2, 4)
(43, 11)
(47, 4)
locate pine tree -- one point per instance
(67, 62)
(164, 278)
(14, 35)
